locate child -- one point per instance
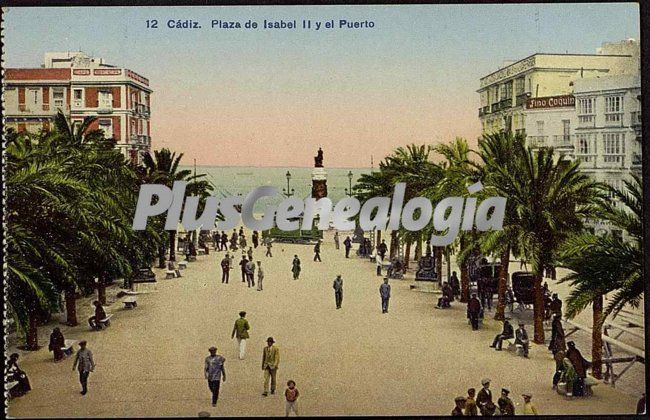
(292, 394)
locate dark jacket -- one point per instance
(506, 406)
(508, 331)
(484, 402)
(521, 336)
(474, 306)
(580, 364)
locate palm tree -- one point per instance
(459, 173)
(496, 150)
(607, 264)
(163, 168)
(550, 198)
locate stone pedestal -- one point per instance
(318, 183)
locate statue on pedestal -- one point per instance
(426, 266)
(318, 159)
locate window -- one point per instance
(105, 99)
(107, 126)
(586, 106)
(57, 96)
(613, 147)
(33, 93)
(613, 108)
(520, 85)
(540, 128)
(77, 94)
(584, 144)
(566, 130)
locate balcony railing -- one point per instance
(537, 141)
(636, 159)
(505, 103)
(613, 160)
(586, 160)
(521, 99)
(586, 121)
(563, 141)
(614, 119)
(635, 118)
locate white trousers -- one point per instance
(242, 347)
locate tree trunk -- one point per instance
(499, 315)
(101, 291)
(448, 260)
(378, 238)
(407, 254)
(71, 306)
(464, 276)
(418, 250)
(394, 244)
(172, 246)
(161, 257)
(538, 309)
(597, 338)
(32, 332)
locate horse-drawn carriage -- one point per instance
(523, 287)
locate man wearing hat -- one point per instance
(505, 404)
(85, 364)
(270, 362)
(338, 291)
(529, 408)
(458, 410)
(214, 370)
(505, 334)
(521, 338)
(484, 399)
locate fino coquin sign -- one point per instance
(551, 102)
(449, 216)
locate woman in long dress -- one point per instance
(13, 373)
(57, 341)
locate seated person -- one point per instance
(14, 374)
(100, 314)
(506, 333)
(171, 265)
(447, 296)
(521, 338)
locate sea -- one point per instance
(235, 180)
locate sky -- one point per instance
(236, 97)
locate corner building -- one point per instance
(81, 86)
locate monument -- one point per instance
(318, 177)
(426, 266)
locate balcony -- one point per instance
(635, 119)
(505, 103)
(586, 160)
(586, 121)
(522, 98)
(537, 141)
(613, 161)
(563, 141)
(614, 119)
(637, 160)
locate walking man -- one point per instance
(242, 264)
(348, 246)
(317, 251)
(338, 291)
(473, 311)
(240, 330)
(256, 238)
(336, 240)
(85, 364)
(224, 241)
(225, 269)
(269, 245)
(250, 273)
(260, 275)
(295, 267)
(384, 292)
(214, 370)
(270, 362)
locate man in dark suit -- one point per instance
(521, 338)
(484, 399)
(505, 334)
(473, 311)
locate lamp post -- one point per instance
(348, 191)
(288, 191)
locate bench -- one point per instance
(518, 348)
(590, 382)
(68, 347)
(170, 274)
(130, 302)
(104, 322)
(182, 265)
(200, 251)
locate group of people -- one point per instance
(237, 240)
(520, 336)
(482, 403)
(247, 267)
(215, 370)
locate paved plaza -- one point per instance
(353, 361)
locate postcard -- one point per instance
(323, 210)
